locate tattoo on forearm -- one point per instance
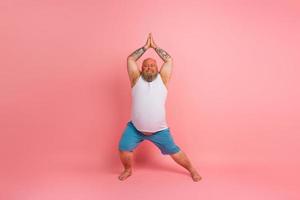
(138, 53)
(162, 53)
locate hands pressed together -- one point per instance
(150, 42)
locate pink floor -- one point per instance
(161, 180)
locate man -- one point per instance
(148, 120)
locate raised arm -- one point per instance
(132, 67)
(166, 69)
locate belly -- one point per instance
(148, 114)
(147, 133)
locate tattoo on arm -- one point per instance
(162, 53)
(138, 53)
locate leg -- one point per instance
(128, 142)
(126, 159)
(181, 158)
(165, 142)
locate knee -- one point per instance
(125, 151)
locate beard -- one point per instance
(149, 76)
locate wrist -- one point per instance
(145, 48)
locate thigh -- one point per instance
(165, 142)
(130, 138)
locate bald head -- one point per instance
(149, 61)
(149, 69)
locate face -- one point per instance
(149, 69)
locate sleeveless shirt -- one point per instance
(148, 105)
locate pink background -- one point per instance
(233, 103)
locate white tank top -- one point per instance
(148, 105)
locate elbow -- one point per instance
(169, 60)
(130, 58)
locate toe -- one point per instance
(197, 178)
(124, 175)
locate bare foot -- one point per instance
(125, 174)
(195, 176)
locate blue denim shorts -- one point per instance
(163, 139)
